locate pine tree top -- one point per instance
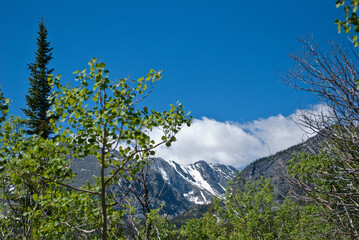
(39, 90)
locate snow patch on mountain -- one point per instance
(164, 174)
(199, 182)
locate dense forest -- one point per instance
(39, 199)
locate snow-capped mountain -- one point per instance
(177, 187)
(198, 182)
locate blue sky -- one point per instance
(220, 59)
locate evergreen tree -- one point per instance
(39, 90)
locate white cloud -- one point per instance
(233, 143)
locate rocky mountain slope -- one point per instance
(176, 186)
(198, 182)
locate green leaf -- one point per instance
(346, 9)
(18, 181)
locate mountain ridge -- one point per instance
(177, 187)
(273, 167)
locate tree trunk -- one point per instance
(103, 187)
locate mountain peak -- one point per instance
(199, 182)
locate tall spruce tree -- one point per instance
(39, 90)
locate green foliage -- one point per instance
(39, 90)
(252, 213)
(4, 108)
(351, 18)
(112, 116)
(94, 119)
(246, 214)
(28, 161)
(100, 115)
(322, 178)
(295, 221)
(160, 228)
(306, 166)
(210, 226)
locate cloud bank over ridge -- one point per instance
(234, 143)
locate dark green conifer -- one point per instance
(39, 90)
